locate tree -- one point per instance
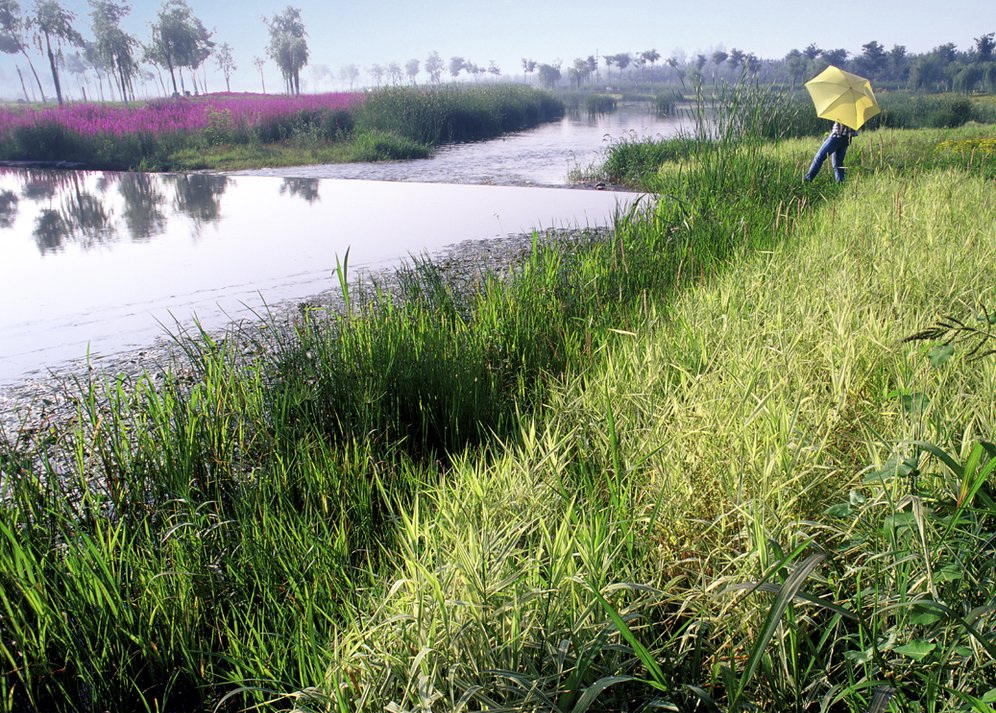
(719, 56)
(736, 58)
(578, 72)
(796, 64)
(377, 72)
(927, 73)
(984, 47)
(873, 60)
(349, 73)
(493, 69)
(752, 64)
(114, 46)
(812, 51)
(947, 52)
(650, 56)
(411, 69)
(226, 63)
(434, 66)
(394, 72)
(11, 36)
(967, 78)
(549, 75)
(179, 39)
(52, 22)
(457, 64)
(76, 64)
(836, 57)
(258, 62)
(100, 68)
(898, 63)
(528, 66)
(700, 61)
(288, 47)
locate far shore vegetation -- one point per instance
(230, 131)
(736, 455)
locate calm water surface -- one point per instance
(543, 156)
(103, 260)
(102, 263)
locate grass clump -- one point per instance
(452, 114)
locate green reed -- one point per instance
(435, 115)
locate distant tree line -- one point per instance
(942, 69)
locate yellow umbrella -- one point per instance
(842, 96)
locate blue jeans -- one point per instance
(836, 148)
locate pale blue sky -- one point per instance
(505, 31)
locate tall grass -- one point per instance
(435, 115)
(692, 475)
(597, 483)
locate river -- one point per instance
(93, 264)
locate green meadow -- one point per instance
(738, 456)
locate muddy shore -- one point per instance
(31, 408)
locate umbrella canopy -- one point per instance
(842, 96)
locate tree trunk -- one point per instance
(124, 84)
(172, 75)
(23, 88)
(31, 65)
(55, 70)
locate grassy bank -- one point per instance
(245, 131)
(695, 462)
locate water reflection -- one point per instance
(50, 231)
(8, 208)
(39, 185)
(88, 219)
(96, 263)
(90, 209)
(306, 188)
(198, 196)
(142, 205)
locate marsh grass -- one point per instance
(439, 115)
(612, 477)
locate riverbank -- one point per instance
(38, 403)
(696, 463)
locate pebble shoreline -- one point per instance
(32, 407)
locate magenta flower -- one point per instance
(185, 114)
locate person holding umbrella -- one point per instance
(848, 100)
(836, 148)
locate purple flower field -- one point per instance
(165, 116)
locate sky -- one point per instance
(505, 31)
